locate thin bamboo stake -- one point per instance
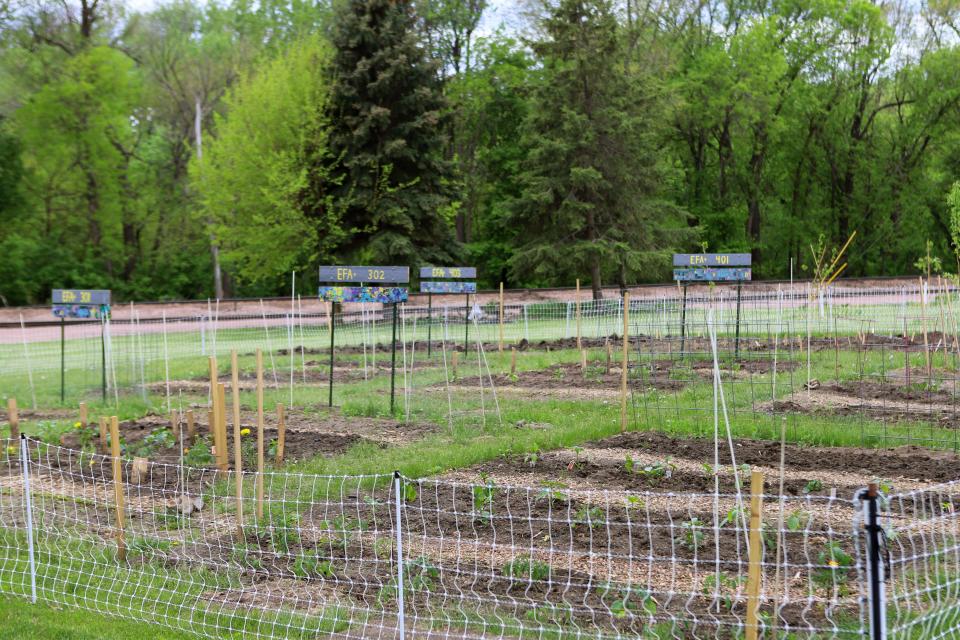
(237, 455)
(259, 434)
(501, 318)
(223, 460)
(118, 487)
(13, 418)
(175, 425)
(626, 355)
(513, 361)
(926, 341)
(609, 354)
(214, 400)
(756, 552)
(579, 344)
(583, 362)
(456, 357)
(281, 433)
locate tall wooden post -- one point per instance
(259, 434)
(13, 418)
(223, 459)
(513, 361)
(104, 446)
(626, 357)
(191, 427)
(281, 433)
(237, 455)
(118, 487)
(756, 555)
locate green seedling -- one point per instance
(593, 517)
(813, 486)
(311, 566)
(483, 500)
(526, 568)
(626, 600)
(691, 534)
(835, 564)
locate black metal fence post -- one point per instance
(683, 320)
(876, 595)
(63, 361)
(393, 360)
(736, 349)
(333, 323)
(429, 324)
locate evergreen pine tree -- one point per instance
(388, 123)
(590, 179)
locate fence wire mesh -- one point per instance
(329, 554)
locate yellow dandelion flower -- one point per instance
(244, 432)
(833, 563)
(92, 462)
(77, 425)
(11, 449)
(186, 450)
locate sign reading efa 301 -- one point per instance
(712, 267)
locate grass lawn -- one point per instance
(20, 620)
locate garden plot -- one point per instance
(306, 437)
(889, 398)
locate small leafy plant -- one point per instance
(691, 534)
(526, 568)
(835, 564)
(727, 590)
(626, 600)
(199, 455)
(589, 515)
(483, 500)
(813, 486)
(281, 530)
(310, 565)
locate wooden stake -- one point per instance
(83, 415)
(175, 426)
(456, 357)
(104, 447)
(281, 433)
(609, 354)
(513, 361)
(191, 427)
(118, 487)
(583, 361)
(756, 553)
(14, 419)
(223, 460)
(626, 355)
(213, 417)
(926, 342)
(237, 454)
(259, 434)
(501, 317)
(579, 344)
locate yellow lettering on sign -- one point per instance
(69, 296)
(695, 259)
(85, 296)
(723, 259)
(438, 272)
(454, 273)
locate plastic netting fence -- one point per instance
(386, 556)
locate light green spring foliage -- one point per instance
(255, 171)
(953, 204)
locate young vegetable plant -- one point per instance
(835, 564)
(483, 500)
(626, 600)
(691, 534)
(526, 568)
(727, 591)
(591, 516)
(813, 486)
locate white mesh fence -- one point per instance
(330, 556)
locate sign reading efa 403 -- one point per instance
(712, 267)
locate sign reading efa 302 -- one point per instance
(392, 275)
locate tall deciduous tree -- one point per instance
(590, 198)
(254, 176)
(388, 126)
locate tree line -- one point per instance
(196, 150)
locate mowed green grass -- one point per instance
(476, 437)
(21, 620)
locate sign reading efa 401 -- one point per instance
(711, 267)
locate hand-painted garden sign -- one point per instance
(81, 303)
(456, 281)
(451, 286)
(363, 294)
(712, 267)
(713, 274)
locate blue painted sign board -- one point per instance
(711, 274)
(448, 287)
(448, 272)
